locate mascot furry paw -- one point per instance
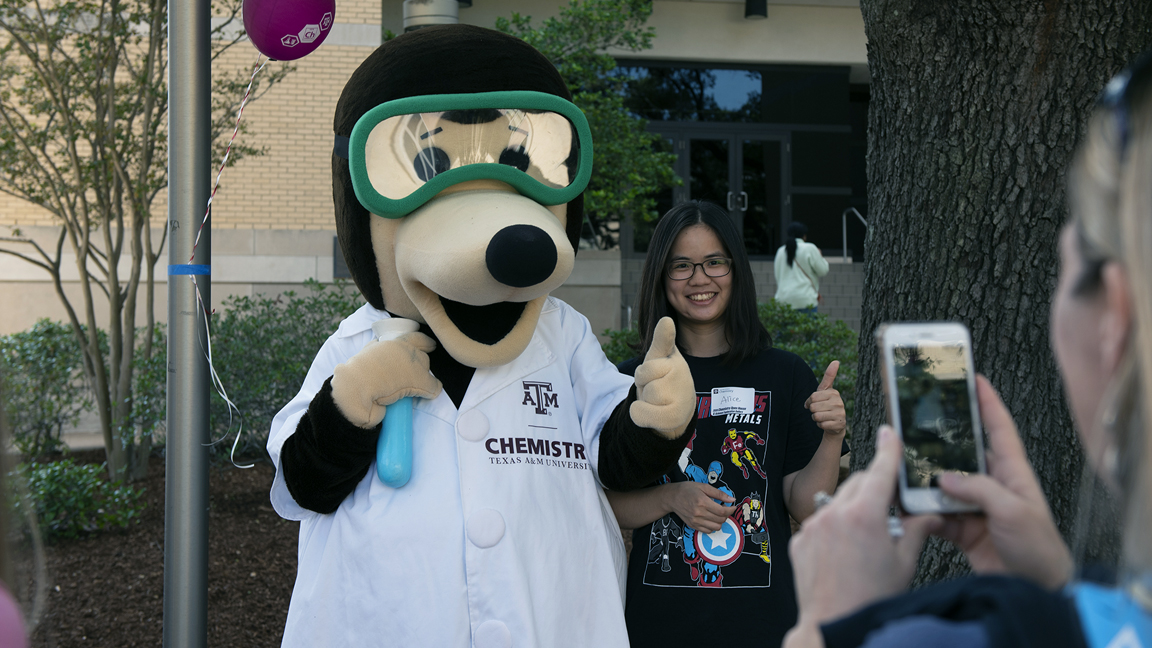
(458, 174)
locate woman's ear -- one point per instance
(1116, 320)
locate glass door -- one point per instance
(761, 196)
(710, 170)
(743, 169)
(744, 174)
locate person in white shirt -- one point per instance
(799, 267)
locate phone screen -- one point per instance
(935, 411)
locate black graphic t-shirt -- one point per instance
(733, 587)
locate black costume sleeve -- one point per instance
(631, 456)
(327, 455)
(1014, 612)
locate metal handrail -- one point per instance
(844, 229)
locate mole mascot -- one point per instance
(458, 173)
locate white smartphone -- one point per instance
(930, 389)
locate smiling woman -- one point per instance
(699, 298)
(696, 232)
(767, 439)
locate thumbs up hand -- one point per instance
(826, 405)
(665, 393)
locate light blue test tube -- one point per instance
(394, 448)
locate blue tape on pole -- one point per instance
(186, 269)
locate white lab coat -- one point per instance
(502, 537)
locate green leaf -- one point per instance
(262, 348)
(631, 165)
(71, 500)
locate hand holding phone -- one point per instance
(930, 389)
(844, 556)
(1016, 534)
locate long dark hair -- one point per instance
(745, 334)
(796, 230)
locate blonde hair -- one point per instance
(1110, 193)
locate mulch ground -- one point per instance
(107, 589)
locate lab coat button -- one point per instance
(492, 634)
(472, 425)
(485, 528)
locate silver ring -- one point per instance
(895, 527)
(820, 499)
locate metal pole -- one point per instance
(844, 227)
(186, 487)
(844, 234)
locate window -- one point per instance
(771, 144)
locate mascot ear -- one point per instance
(575, 221)
(353, 231)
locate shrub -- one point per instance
(815, 338)
(818, 340)
(621, 344)
(150, 385)
(43, 385)
(262, 348)
(45, 388)
(72, 499)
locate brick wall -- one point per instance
(290, 186)
(841, 288)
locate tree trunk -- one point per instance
(976, 108)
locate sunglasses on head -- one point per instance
(1116, 95)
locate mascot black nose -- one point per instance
(521, 256)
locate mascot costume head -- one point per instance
(458, 181)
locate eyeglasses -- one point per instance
(1115, 95)
(716, 267)
(404, 152)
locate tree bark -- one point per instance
(976, 108)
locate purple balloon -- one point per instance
(286, 30)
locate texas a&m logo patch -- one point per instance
(540, 396)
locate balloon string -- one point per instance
(217, 383)
(228, 151)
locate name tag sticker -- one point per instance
(733, 400)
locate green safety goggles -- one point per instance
(404, 152)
